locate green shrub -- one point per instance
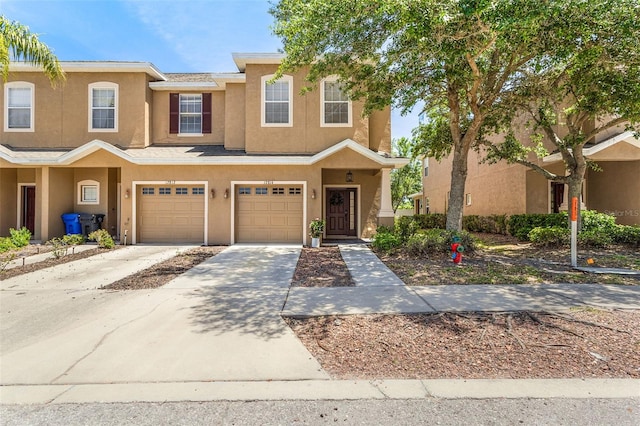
(595, 238)
(21, 237)
(6, 244)
(406, 226)
(73, 239)
(433, 241)
(59, 247)
(624, 234)
(554, 236)
(103, 238)
(494, 224)
(430, 221)
(521, 224)
(385, 241)
(592, 220)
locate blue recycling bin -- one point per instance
(71, 223)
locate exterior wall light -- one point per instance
(226, 193)
(127, 193)
(313, 194)
(349, 177)
(213, 193)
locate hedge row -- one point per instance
(598, 229)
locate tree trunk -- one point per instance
(456, 193)
(575, 179)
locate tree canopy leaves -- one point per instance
(18, 43)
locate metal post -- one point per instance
(574, 231)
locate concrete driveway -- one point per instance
(220, 321)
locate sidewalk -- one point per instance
(379, 290)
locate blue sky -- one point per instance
(174, 35)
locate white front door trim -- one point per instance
(20, 203)
(358, 196)
(134, 194)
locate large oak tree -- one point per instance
(460, 59)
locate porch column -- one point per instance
(385, 215)
(43, 200)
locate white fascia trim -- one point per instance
(183, 86)
(242, 59)
(276, 160)
(417, 194)
(146, 67)
(627, 137)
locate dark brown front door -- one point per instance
(341, 212)
(29, 208)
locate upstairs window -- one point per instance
(190, 114)
(336, 106)
(277, 108)
(18, 113)
(103, 107)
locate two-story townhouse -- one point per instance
(209, 158)
(514, 189)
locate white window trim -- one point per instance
(16, 85)
(467, 199)
(349, 123)
(84, 183)
(263, 113)
(189, 135)
(103, 85)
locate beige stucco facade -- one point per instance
(60, 165)
(507, 189)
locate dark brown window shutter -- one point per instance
(174, 113)
(206, 113)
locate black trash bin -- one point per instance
(90, 222)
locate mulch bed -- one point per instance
(584, 344)
(51, 261)
(321, 267)
(163, 272)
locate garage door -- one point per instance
(269, 214)
(171, 213)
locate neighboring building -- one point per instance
(199, 158)
(514, 189)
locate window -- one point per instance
(148, 191)
(277, 108)
(88, 192)
(18, 113)
(190, 114)
(262, 191)
(182, 191)
(426, 167)
(467, 198)
(164, 191)
(295, 191)
(103, 107)
(197, 191)
(277, 191)
(336, 106)
(244, 191)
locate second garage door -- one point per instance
(269, 213)
(171, 213)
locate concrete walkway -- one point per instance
(379, 290)
(217, 333)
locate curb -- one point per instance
(320, 390)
